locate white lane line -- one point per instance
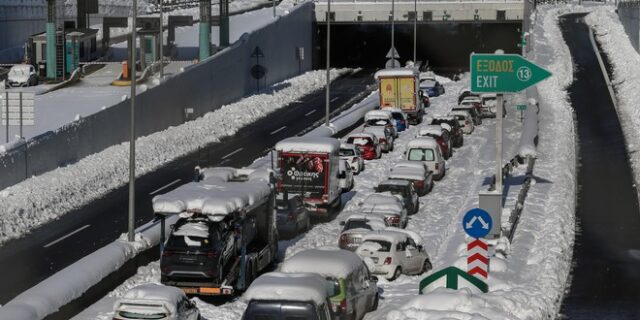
(334, 99)
(67, 236)
(232, 153)
(166, 186)
(277, 130)
(310, 112)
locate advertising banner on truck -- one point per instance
(407, 93)
(305, 173)
(388, 92)
(398, 92)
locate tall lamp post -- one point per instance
(132, 139)
(415, 27)
(161, 39)
(393, 18)
(327, 93)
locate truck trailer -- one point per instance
(226, 232)
(400, 88)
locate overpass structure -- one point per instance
(464, 11)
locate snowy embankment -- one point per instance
(40, 199)
(625, 63)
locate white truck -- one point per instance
(400, 88)
(226, 234)
(310, 167)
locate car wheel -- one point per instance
(376, 300)
(417, 207)
(426, 266)
(308, 225)
(396, 274)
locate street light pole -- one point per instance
(327, 93)
(161, 39)
(393, 18)
(132, 139)
(415, 27)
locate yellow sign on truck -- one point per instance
(399, 88)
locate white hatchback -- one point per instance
(427, 150)
(465, 120)
(394, 252)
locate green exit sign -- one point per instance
(521, 107)
(504, 73)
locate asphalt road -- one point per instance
(29, 260)
(606, 272)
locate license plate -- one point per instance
(375, 260)
(190, 290)
(210, 290)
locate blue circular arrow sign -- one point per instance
(477, 223)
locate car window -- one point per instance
(385, 246)
(346, 152)
(400, 246)
(356, 224)
(394, 189)
(135, 315)
(397, 116)
(411, 242)
(190, 242)
(421, 155)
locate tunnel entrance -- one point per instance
(446, 46)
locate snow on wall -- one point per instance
(625, 62)
(55, 193)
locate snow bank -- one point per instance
(625, 63)
(347, 118)
(69, 284)
(41, 199)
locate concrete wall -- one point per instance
(217, 81)
(629, 13)
(19, 19)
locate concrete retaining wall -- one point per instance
(629, 13)
(19, 19)
(217, 81)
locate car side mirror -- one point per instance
(171, 227)
(342, 175)
(374, 278)
(420, 248)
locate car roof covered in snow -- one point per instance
(385, 235)
(360, 216)
(326, 261)
(213, 197)
(410, 164)
(430, 129)
(377, 114)
(288, 287)
(385, 201)
(412, 234)
(488, 96)
(408, 173)
(422, 142)
(394, 110)
(226, 174)
(394, 72)
(376, 130)
(306, 144)
(470, 99)
(150, 292)
(459, 113)
(195, 228)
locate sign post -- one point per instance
(521, 108)
(477, 223)
(502, 73)
(17, 109)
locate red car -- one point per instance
(367, 143)
(435, 131)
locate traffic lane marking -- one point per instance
(334, 99)
(232, 153)
(66, 236)
(310, 112)
(165, 186)
(277, 130)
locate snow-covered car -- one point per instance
(345, 175)
(489, 101)
(404, 190)
(402, 123)
(354, 290)
(352, 155)
(475, 112)
(416, 172)
(465, 120)
(437, 132)
(427, 150)
(22, 75)
(154, 301)
(431, 87)
(381, 118)
(291, 216)
(395, 252)
(355, 226)
(385, 137)
(278, 295)
(367, 143)
(452, 125)
(387, 205)
(465, 93)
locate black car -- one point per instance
(457, 136)
(404, 189)
(292, 216)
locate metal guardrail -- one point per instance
(514, 218)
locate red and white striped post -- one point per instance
(478, 259)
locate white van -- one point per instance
(355, 290)
(277, 295)
(427, 150)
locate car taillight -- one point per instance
(343, 239)
(167, 253)
(383, 141)
(343, 305)
(291, 216)
(388, 260)
(437, 166)
(212, 254)
(279, 186)
(419, 184)
(393, 220)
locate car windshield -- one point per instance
(136, 315)
(377, 122)
(19, 71)
(281, 204)
(347, 152)
(385, 246)
(397, 116)
(394, 189)
(359, 141)
(427, 83)
(421, 155)
(185, 243)
(356, 224)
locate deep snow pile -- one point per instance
(41, 199)
(625, 63)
